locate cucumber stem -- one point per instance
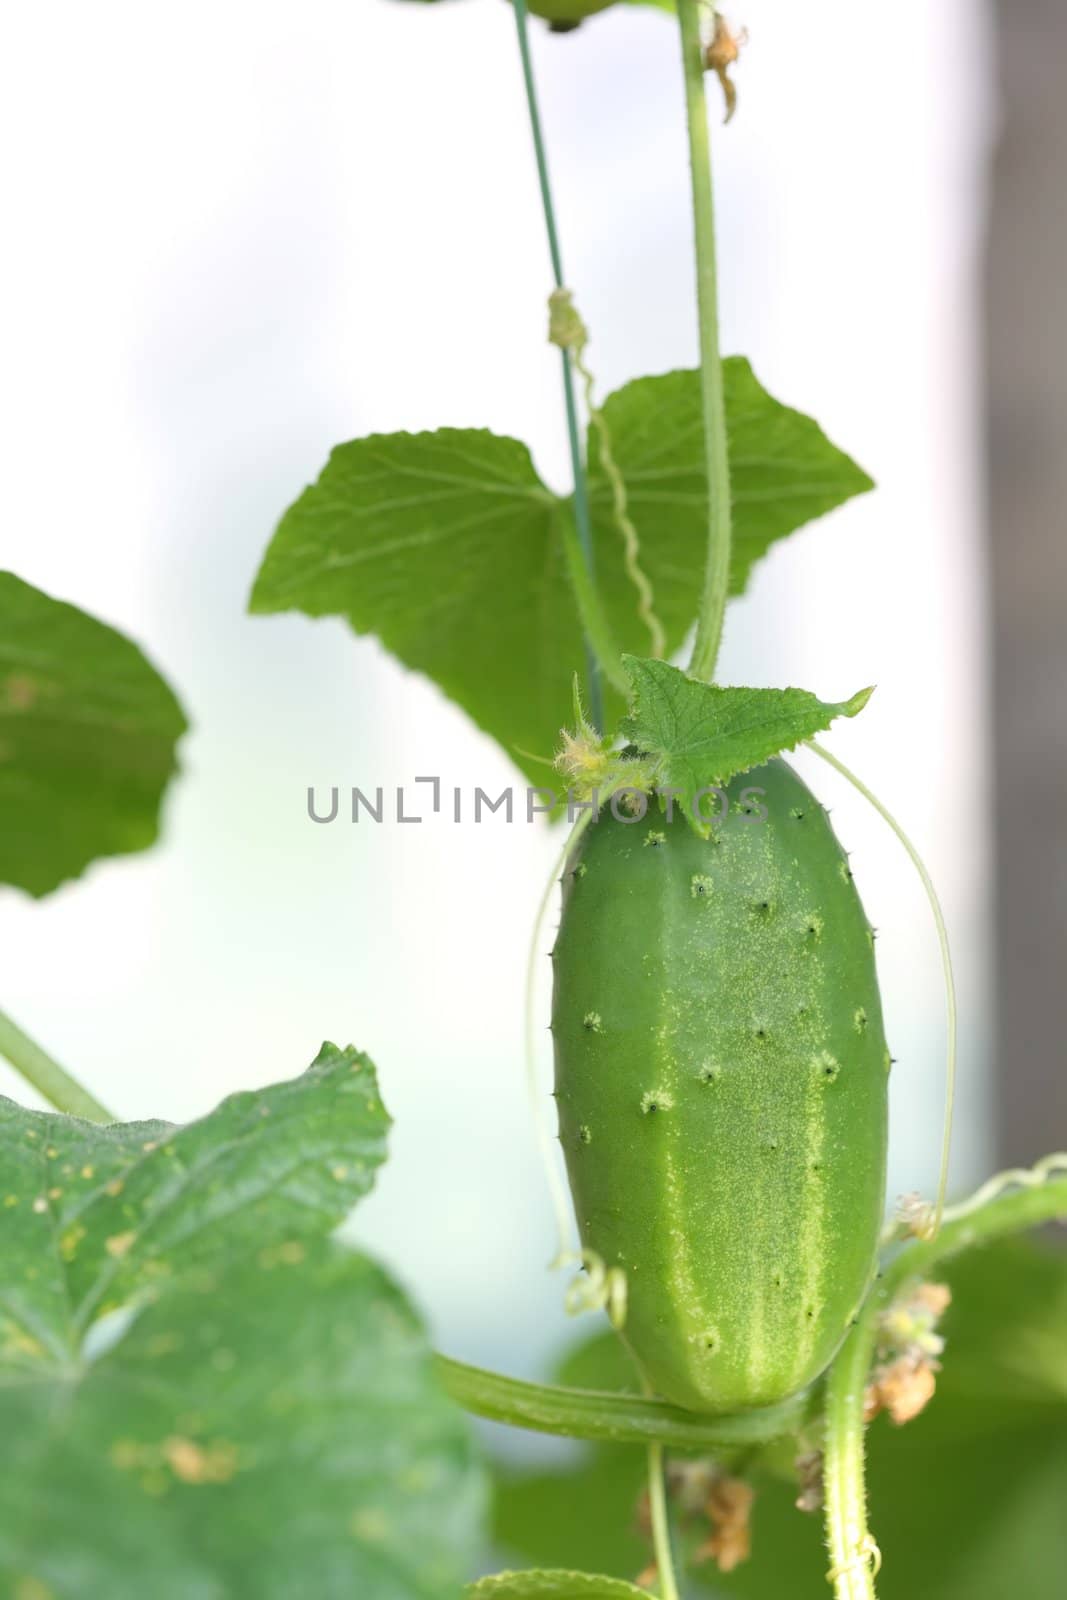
(581, 499)
(1034, 1197)
(47, 1076)
(716, 458)
(661, 1524)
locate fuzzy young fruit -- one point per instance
(721, 1081)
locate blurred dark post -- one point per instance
(1027, 355)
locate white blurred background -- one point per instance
(239, 234)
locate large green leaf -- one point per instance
(87, 736)
(784, 472)
(966, 1501)
(445, 545)
(201, 1396)
(700, 735)
(448, 546)
(272, 1429)
(100, 1216)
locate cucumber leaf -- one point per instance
(88, 730)
(202, 1395)
(444, 545)
(784, 473)
(700, 735)
(550, 1585)
(99, 1217)
(269, 1429)
(448, 546)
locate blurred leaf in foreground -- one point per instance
(202, 1396)
(88, 730)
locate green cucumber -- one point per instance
(721, 1083)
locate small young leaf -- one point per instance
(87, 736)
(701, 735)
(552, 1585)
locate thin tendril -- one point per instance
(646, 600)
(1052, 1166)
(946, 963)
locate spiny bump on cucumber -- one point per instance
(826, 1066)
(752, 1210)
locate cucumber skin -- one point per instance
(721, 1083)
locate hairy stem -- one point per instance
(1036, 1197)
(610, 1417)
(581, 499)
(851, 1547)
(717, 464)
(47, 1076)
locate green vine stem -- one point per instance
(717, 463)
(47, 1076)
(661, 1524)
(598, 632)
(611, 1418)
(581, 501)
(1036, 1197)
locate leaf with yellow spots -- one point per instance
(146, 1201)
(257, 1434)
(201, 1395)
